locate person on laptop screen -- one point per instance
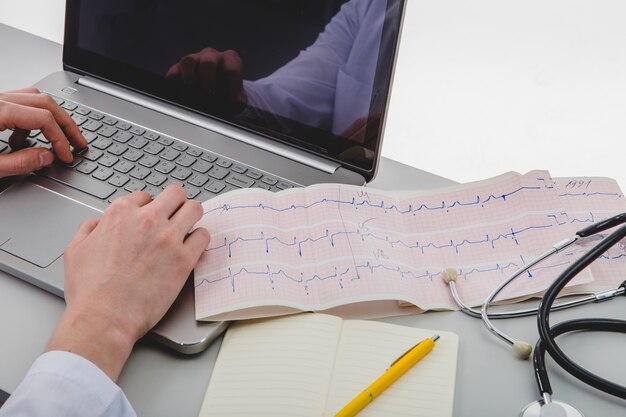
(327, 86)
(122, 273)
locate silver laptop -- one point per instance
(214, 95)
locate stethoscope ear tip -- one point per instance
(450, 274)
(522, 349)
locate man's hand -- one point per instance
(26, 110)
(213, 77)
(122, 273)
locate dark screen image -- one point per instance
(314, 73)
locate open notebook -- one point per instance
(311, 365)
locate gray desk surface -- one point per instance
(490, 382)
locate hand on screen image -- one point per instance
(214, 77)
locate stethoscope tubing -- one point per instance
(546, 333)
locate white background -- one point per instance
(487, 86)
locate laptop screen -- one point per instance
(313, 73)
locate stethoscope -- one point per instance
(546, 406)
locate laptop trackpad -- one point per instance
(36, 224)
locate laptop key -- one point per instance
(91, 154)
(224, 163)
(165, 167)
(117, 149)
(209, 158)
(170, 155)
(108, 161)
(119, 180)
(283, 185)
(107, 131)
(124, 125)
(198, 180)
(185, 161)
(124, 167)
(218, 173)
(194, 152)
(192, 192)
(122, 137)
(134, 155)
(239, 169)
(262, 185)
(202, 167)
(151, 136)
(156, 179)
(181, 173)
(109, 121)
(82, 111)
(138, 142)
(134, 185)
(165, 141)
(91, 125)
(69, 106)
(269, 180)
(87, 167)
(101, 143)
(149, 161)
(239, 181)
(78, 119)
(215, 186)
(180, 146)
(89, 136)
(255, 175)
(102, 173)
(78, 181)
(96, 116)
(140, 173)
(154, 148)
(137, 131)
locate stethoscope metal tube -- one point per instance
(525, 312)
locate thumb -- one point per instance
(24, 161)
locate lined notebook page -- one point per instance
(274, 368)
(365, 352)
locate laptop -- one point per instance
(214, 96)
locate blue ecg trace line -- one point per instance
(365, 201)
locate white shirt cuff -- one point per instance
(66, 384)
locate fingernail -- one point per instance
(46, 158)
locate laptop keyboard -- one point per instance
(123, 157)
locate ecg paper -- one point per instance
(323, 246)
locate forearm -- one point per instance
(92, 334)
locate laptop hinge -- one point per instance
(215, 126)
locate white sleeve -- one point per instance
(304, 89)
(67, 385)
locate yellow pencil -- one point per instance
(395, 371)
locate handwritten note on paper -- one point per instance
(328, 245)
